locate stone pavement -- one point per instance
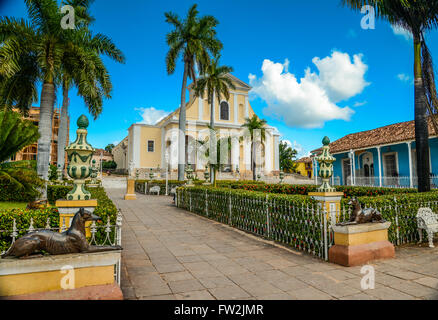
(170, 253)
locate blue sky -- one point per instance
(377, 88)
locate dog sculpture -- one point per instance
(360, 215)
(71, 241)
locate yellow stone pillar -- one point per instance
(67, 210)
(330, 202)
(130, 189)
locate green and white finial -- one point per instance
(79, 154)
(325, 161)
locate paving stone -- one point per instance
(359, 296)
(176, 276)
(185, 286)
(229, 293)
(215, 282)
(406, 275)
(309, 293)
(260, 288)
(386, 293)
(414, 289)
(289, 284)
(172, 267)
(428, 281)
(276, 296)
(195, 295)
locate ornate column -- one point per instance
(329, 199)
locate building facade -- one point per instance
(304, 167)
(384, 157)
(30, 152)
(156, 146)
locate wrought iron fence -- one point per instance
(304, 227)
(112, 235)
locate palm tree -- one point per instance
(69, 66)
(193, 39)
(253, 125)
(48, 44)
(416, 16)
(215, 165)
(214, 79)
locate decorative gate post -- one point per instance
(330, 200)
(79, 154)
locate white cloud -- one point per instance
(403, 77)
(301, 152)
(360, 104)
(311, 101)
(151, 115)
(399, 31)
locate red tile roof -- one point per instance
(305, 160)
(398, 132)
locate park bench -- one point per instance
(427, 220)
(154, 189)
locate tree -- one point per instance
(109, 148)
(45, 42)
(220, 143)
(254, 126)
(15, 134)
(95, 71)
(287, 157)
(416, 16)
(215, 79)
(193, 40)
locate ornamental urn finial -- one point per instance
(325, 161)
(79, 154)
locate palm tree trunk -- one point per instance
(212, 143)
(253, 151)
(182, 127)
(62, 133)
(421, 123)
(45, 131)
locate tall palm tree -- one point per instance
(48, 44)
(193, 39)
(69, 65)
(214, 80)
(252, 125)
(416, 16)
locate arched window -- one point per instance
(225, 111)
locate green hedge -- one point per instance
(294, 220)
(104, 209)
(348, 191)
(22, 217)
(401, 210)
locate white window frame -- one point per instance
(147, 145)
(229, 110)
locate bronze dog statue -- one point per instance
(39, 204)
(71, 241)
(360, 215)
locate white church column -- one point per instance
(200, 108)
(268, 152)
(276, 152)
(236, 109)
(136, 145)
(234, 152)
(246, 107)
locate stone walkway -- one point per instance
(170, 253)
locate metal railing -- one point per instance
(387, 182)
(112, 232)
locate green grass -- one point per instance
(13, 205)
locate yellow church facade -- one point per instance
(156, 146)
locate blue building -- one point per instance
(384, 157)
